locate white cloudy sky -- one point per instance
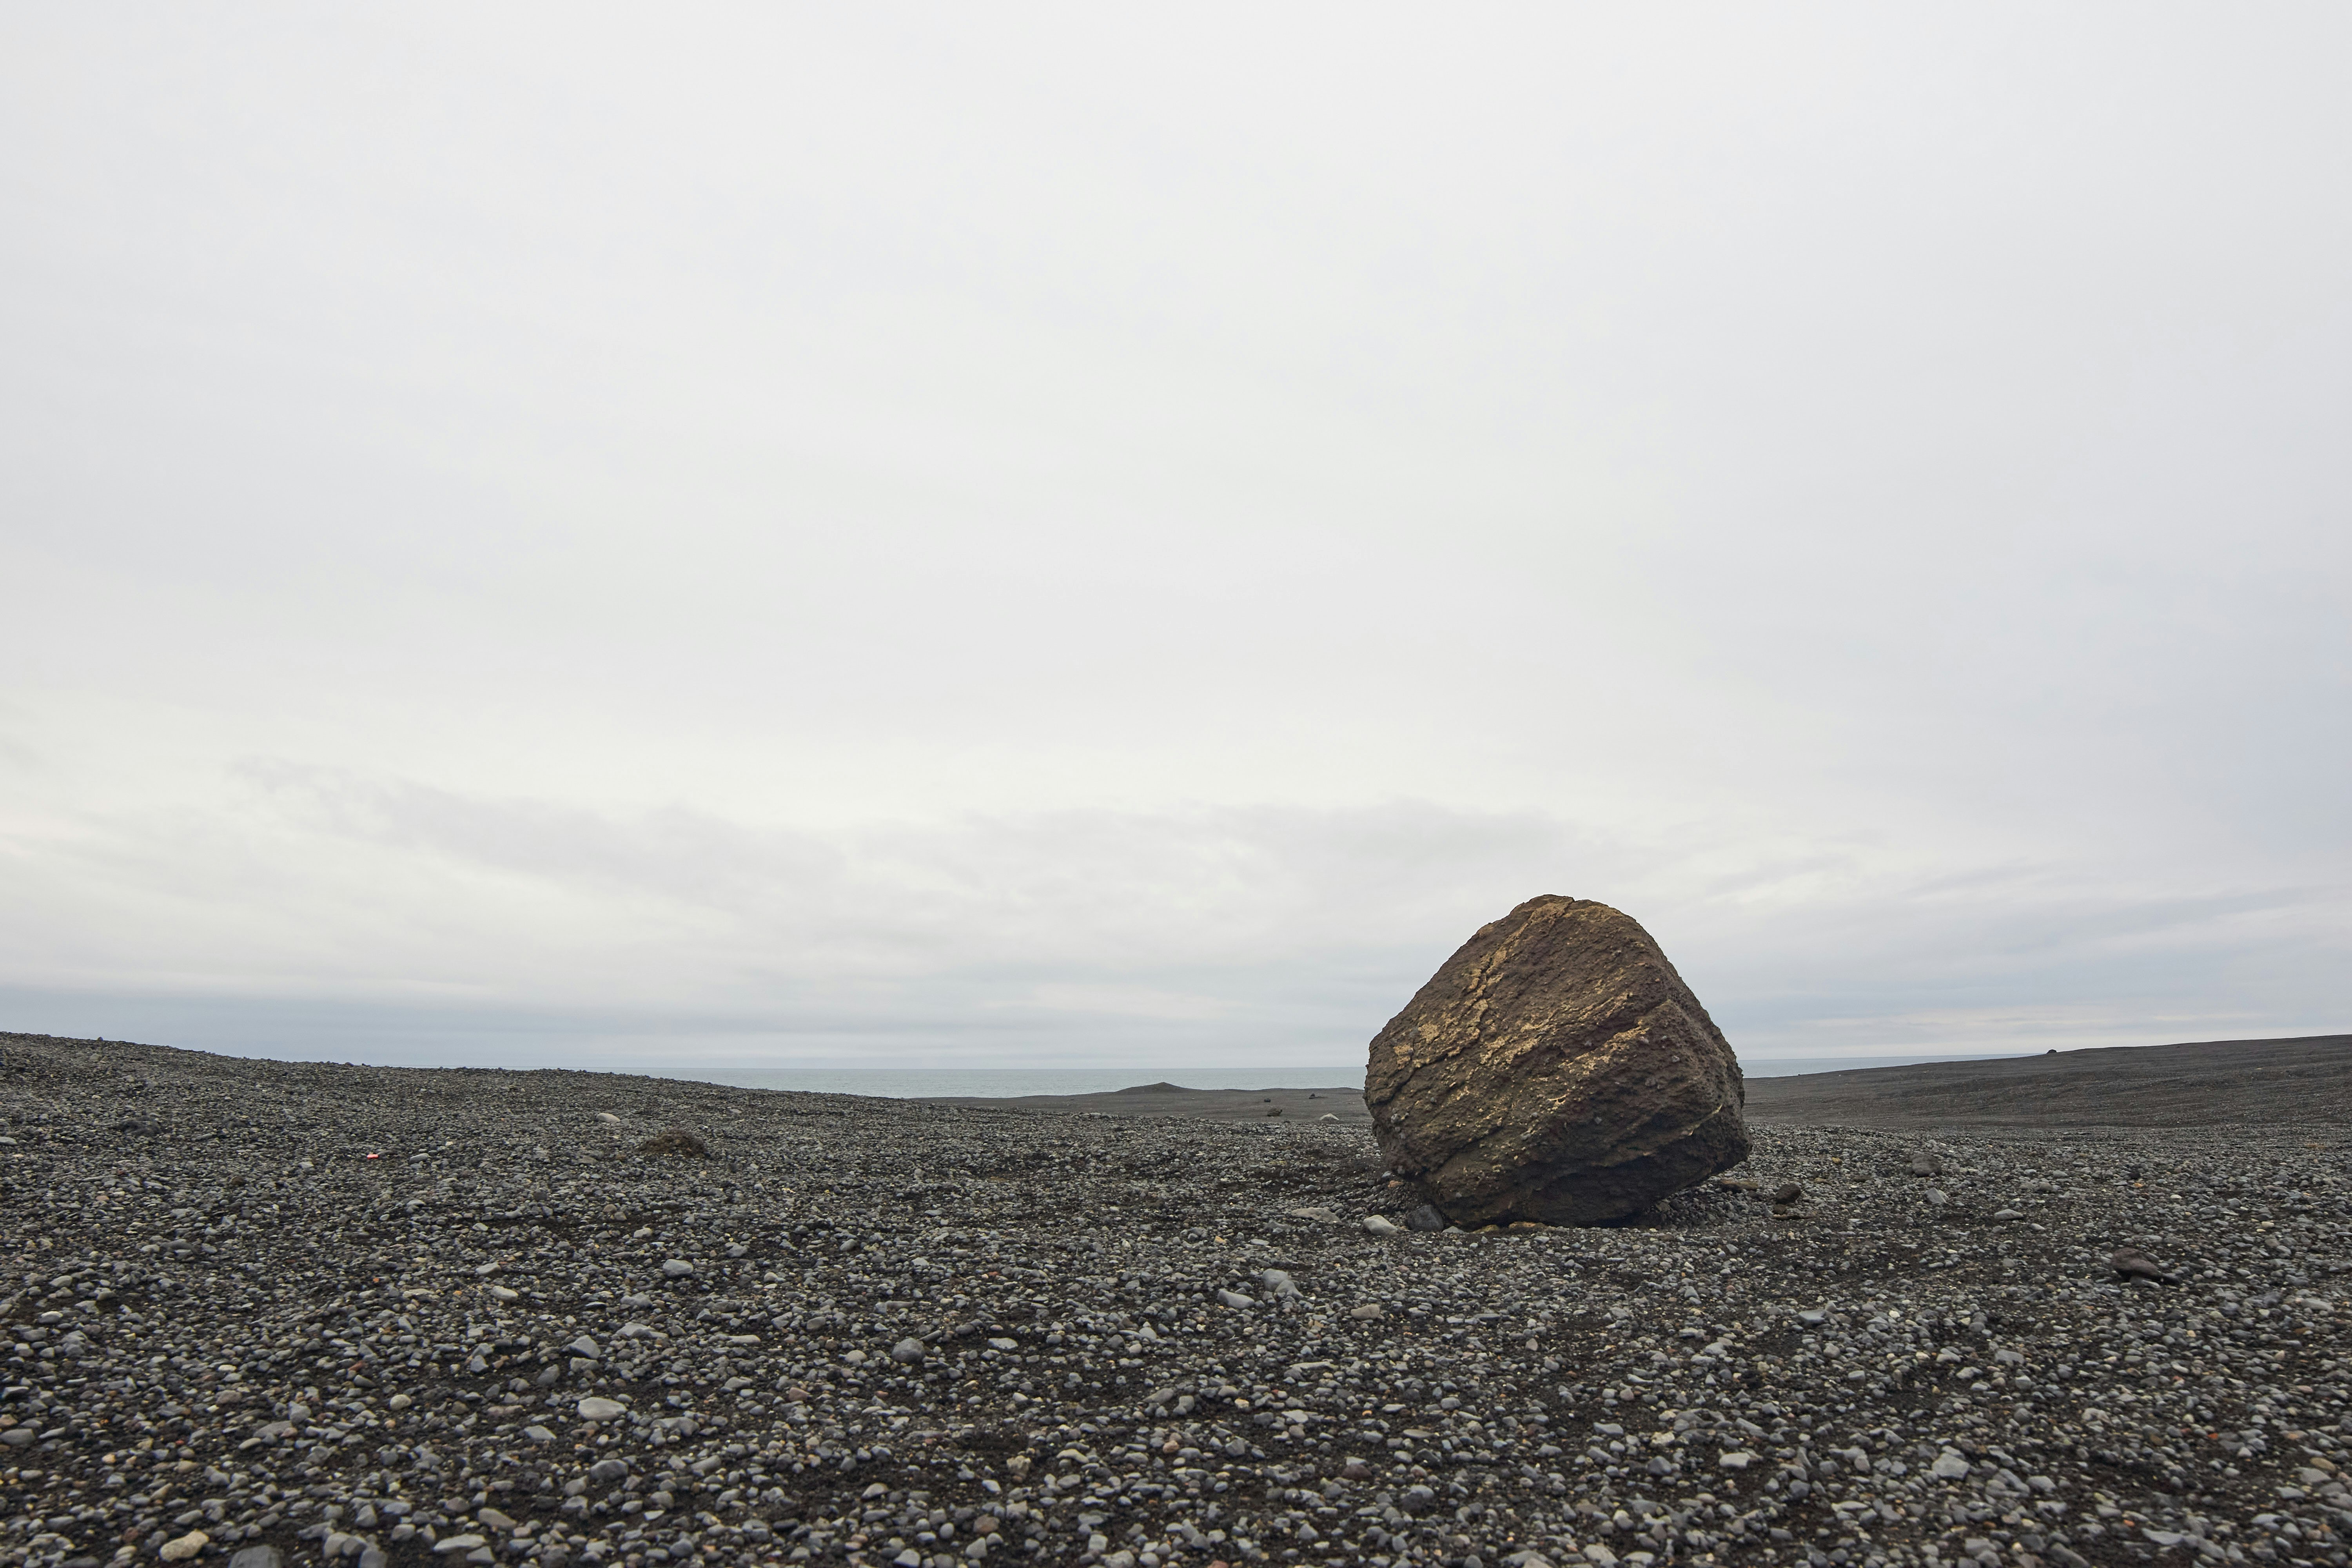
(1111, 536)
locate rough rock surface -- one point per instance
(391, 1318)
(1558, 1069)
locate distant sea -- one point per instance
(1012, 1083)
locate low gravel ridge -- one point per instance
(1174, 1099)
(264, 1312)
(2202, 1083)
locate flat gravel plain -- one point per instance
(311, 1312)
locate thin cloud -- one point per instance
(1055, 538)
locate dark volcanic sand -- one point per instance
(229, 1326)
(2210, 1084)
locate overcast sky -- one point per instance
(1004, 535)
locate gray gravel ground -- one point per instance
(402, 1316)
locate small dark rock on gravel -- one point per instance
(675, 1142)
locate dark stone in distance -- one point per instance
(676, 1141)
(2133, 1264)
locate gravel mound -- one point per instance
(2210, 1083)
(267, 1314)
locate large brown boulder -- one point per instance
(1556, 1068)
